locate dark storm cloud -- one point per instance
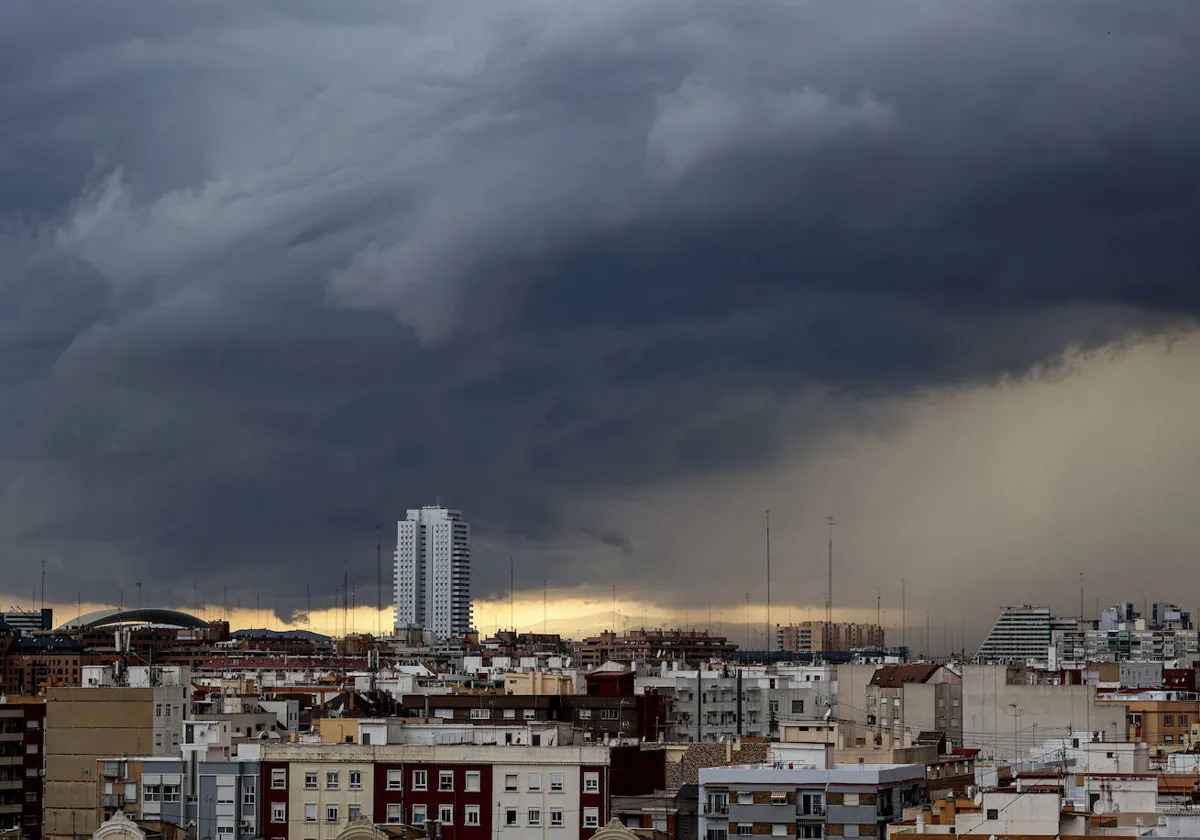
(274, 272)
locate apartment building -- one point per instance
(1020, 633)
(432, 574)
(915, 698)
(824, 636)
(219, 798)
(312, 792)
(22, 728)
(84, 725)
(735, 702)
(817, 800)
(656, 645)
(1158, 718)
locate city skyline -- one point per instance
(929, 274)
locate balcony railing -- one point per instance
(716, 809)
(813, 812)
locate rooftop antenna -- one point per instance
(257, 607)
(926, 645)
(139, 595)
(903, 621)
(767, 633)
(196, 596)
(829, 593)
(308, 607)
(878, 608)
(79, 602)
(43, 583)
(353, 601)
(544, 612)
(224, 600)
(345, 593)
(1081, 596)
(747, 621)
(512, 609)
(378, 583)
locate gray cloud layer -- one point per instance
(275, 271)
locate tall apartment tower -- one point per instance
(433, 571)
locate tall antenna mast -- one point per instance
(1081, 596)
(43, 583)
(512, 609)
(829, 593)
(378, 583)
(747, 621)
(903, 621)
(879, 614)
(545, 613)
(767, 635)
(308, 605)
(614, 618)
(139, 595)
(345, 594)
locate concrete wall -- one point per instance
(852, 681)
(1006, 721)
(83, 725)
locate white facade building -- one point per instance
(1020, 634)
(432, 576)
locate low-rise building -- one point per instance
(829, 800)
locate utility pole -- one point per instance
(378, 583)
(829, 593)
(767, 637)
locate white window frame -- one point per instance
(278, 812)
(312, 779)
(533, 817)
(535, 781)
(557, 782)
(591, 817)
(510, 714)
(512, 782)
(445, 781)
(512, 817)
(395, 813)
(556, 818)
(472, 781)
(249, 797)
(354, 780)
(420, 813)
(333, 780)
(530, 714)
(395, 780)
(420, 779)
(353, 811)
(471, 815)
(279, 779)
(310, 812)
(446, 814)
(332, 812)
(591, 782)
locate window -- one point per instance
(394, 813)
(811, 804)
(131, 792)
(446, 780)
(535, 781)
(510, 816)
(850, 800)
(310, 781)
(481, 714)
(471, 815)
(158, 709)
(353, 812)
(395, 779)
(444, 714)
(745, 799)
(31, 724)
(778, 797)
(152, 793)
(331, 813)
(610, 714)
(1168, 720)
(418, 816)
(446, 814)
(1167, 739)
(530, 714)
(810, 831)
(248, 797)
(31, 796)
(471, 781)
(536, 739)
(170, 793)
(745, 829)
(225, 830)
(584, 714)
(420, 780)
(533, 817)
(556, 817)
(591, 782)
(993, 813)
(278, 812)
(1183, 720)
(556, 782)
(510, 781)
(591, 817)
(310, 811)
(797, 707)
(510, 714)
(355, 780)
(333, 780)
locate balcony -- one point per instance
(112, 800)
(11, 760)
(12, 782)
(11, 735)
(814, 812)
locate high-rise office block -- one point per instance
(1020, 633)
(433, 571)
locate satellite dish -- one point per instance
(828, 714)
(1098, 808)
(978, 798)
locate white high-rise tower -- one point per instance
(433, 571)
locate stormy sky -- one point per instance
(613, 279)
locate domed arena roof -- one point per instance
(150, 615)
